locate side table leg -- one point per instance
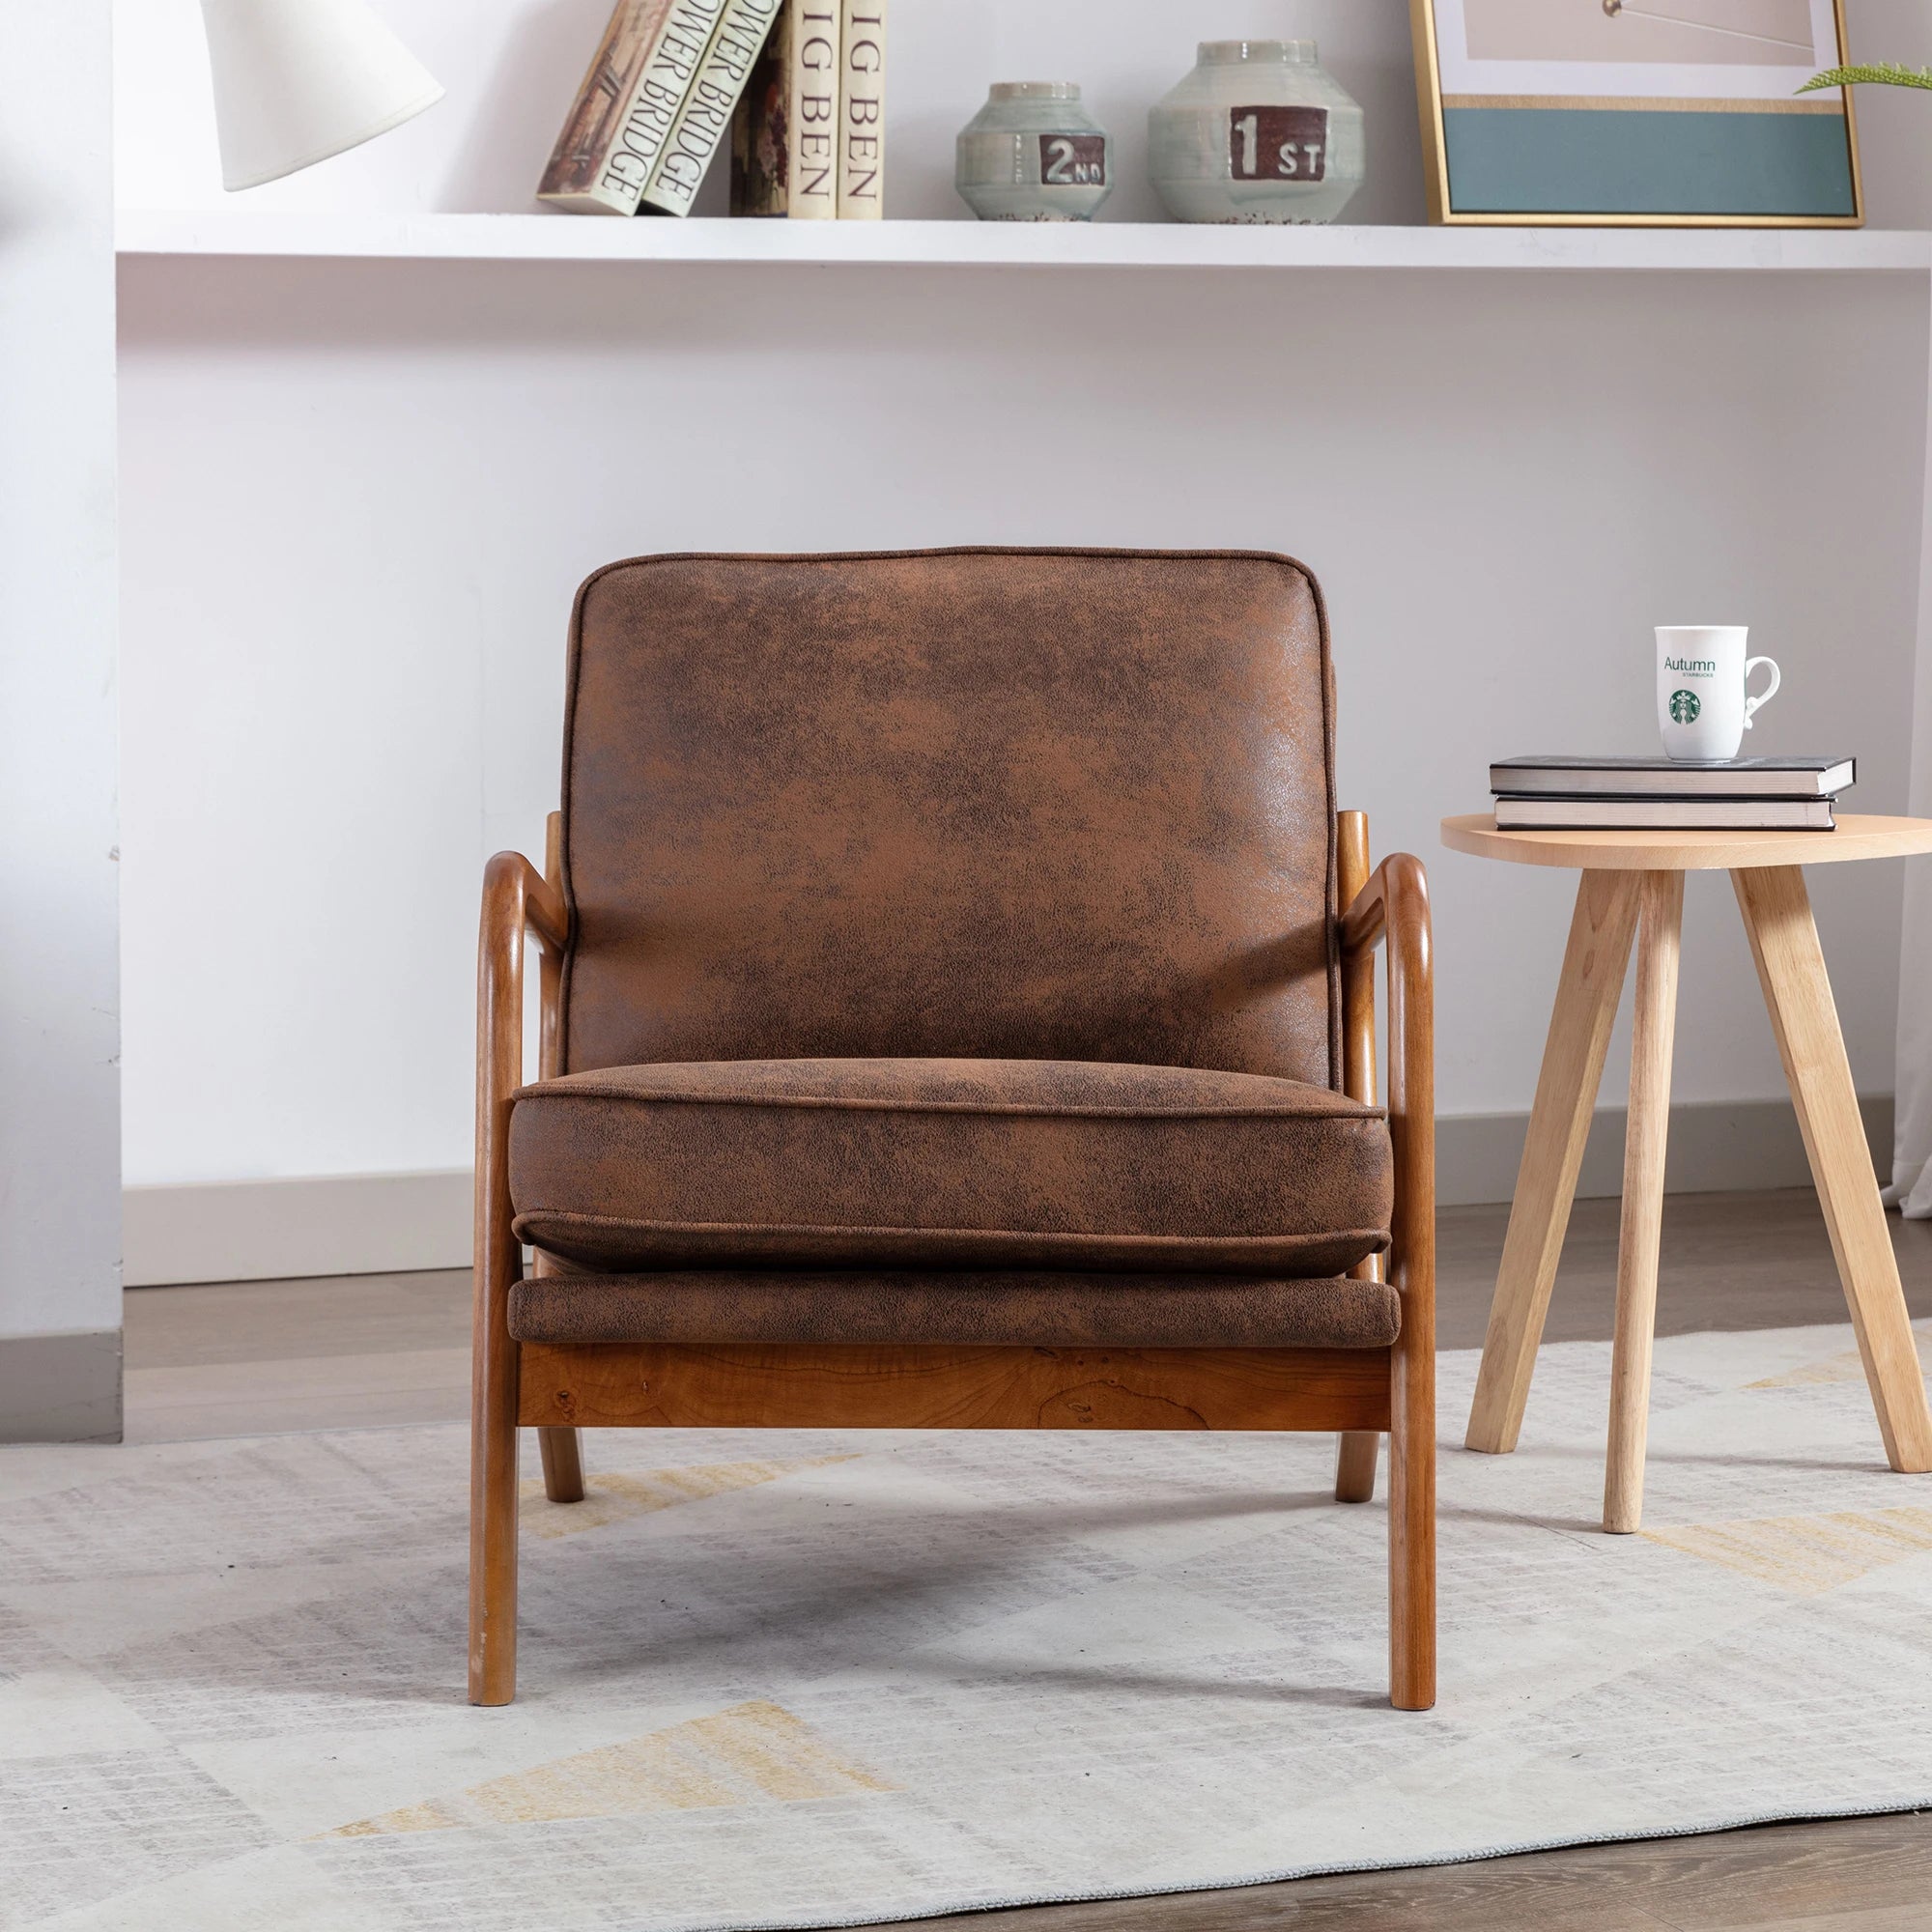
(1653, 1034)
(1791, 969)
(1560, 1122)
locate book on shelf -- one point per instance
(705, 118)
(861, 110)
(759, 160)
(811, 126)
(1665, 815)
(784, 137)
(628, 105)
(589, 149)
(1808, 776)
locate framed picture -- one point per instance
(1657, 113)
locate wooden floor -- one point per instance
(244, 1358)
(256, 1357)
(253, 1357)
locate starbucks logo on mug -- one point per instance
(1683, 707)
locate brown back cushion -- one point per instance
(1018, 805)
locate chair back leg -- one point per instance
(562, 1464)
(562, 1454)
(1355, 1465)
(1359, 1450)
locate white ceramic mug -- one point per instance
(1703, 708)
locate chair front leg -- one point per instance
(515, 898)
(1396, 902)
(492, 1454)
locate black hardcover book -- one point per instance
(1665, 815)
(1801, 777)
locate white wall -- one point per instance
(360, 496)
(1894, 128)
(60, 1289)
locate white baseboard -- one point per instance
(1717, 1147)
(395, 1223)
(61, 1389)
(274, 1230)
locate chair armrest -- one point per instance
(516, 898)
(518, 901)
(1394, 902)
(1394, 905)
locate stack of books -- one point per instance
(1666, 794)
(798, 86)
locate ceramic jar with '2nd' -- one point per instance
(1033, 153)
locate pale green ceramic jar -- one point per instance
(1259, 131)
(1033, 153)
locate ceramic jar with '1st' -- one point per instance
(1259, 131)
(1033, 153)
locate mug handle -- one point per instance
(1764, 696)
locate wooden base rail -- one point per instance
(825, 1385)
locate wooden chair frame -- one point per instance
(1363, 1393)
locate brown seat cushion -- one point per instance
(948, 1163)
(1034, 1310)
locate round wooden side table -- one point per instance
(1632, 887)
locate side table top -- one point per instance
(1858, 837)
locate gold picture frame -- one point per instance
(1439, 158)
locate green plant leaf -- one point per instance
(1885, 74)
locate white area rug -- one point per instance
(812, 1680)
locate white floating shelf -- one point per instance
(564, 238)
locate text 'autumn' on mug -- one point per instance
(1702, 707)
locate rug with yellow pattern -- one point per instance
(803, 1680)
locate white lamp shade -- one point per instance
(297, 82)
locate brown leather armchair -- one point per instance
(957, 1011)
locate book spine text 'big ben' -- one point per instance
(811, 127)
(861, 111)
